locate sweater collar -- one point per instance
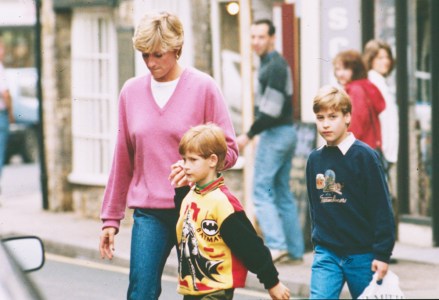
(346, 144)
(203, 190)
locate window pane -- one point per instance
(94, 92)
(423, 110)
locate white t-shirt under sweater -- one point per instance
(162, 91)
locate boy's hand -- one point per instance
(177, 175)
(279, 291)
(380, 268)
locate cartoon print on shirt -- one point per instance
(320, 181)
(330, 184)
(192, 262)
(210, 227)
(330, 187)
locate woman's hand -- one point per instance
(242, 141)
(177, 175)
(106, 244)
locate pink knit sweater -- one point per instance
(148, 138)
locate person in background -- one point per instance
(275, 206)
(353, 230)
(379, 62)
(155, 110)
(6, 108)
(367, 101)
(217, 242)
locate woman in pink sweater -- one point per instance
(155, 110)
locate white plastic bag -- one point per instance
(388, 289)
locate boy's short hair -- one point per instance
(331, 97)
(159, 31)
(205, 140)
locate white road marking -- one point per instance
(111, 268)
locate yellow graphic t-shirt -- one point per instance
(206, 263)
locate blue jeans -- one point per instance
(275, 206)
(153, 236)
(330, 271)
(4, 135)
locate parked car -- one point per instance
(19, 255)
(23, 139)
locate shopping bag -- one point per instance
(388, 288)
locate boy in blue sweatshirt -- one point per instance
(353, 230)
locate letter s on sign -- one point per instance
(338, 18)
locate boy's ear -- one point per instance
(347, 119)
(213, 160)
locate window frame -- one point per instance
(94, 95)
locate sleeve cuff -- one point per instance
(250, 135)
(111, 223)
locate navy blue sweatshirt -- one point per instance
(350, 204)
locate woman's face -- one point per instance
(381, 63)
(342, 74)
(163, 66)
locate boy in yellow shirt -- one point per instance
(217, 243)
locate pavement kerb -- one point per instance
(298, 289)
(171, 269)
(71, 235)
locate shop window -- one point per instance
(94, 95)
(421, 37)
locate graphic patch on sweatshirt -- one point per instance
(332, 190)
(192, 262)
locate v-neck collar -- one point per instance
(151, 98)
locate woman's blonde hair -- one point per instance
(205, 140)
(331, 97)
(159, 32)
